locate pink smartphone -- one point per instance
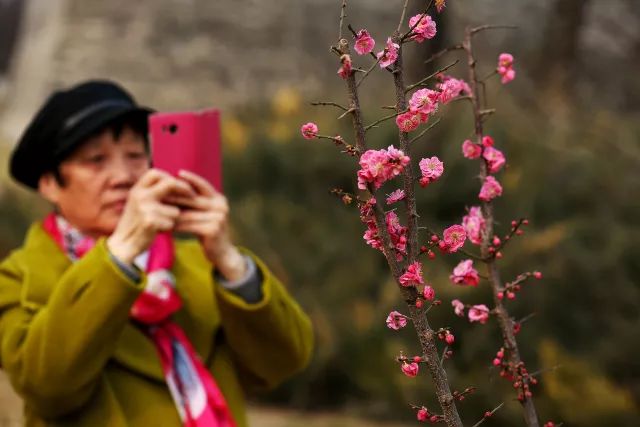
(188, 140)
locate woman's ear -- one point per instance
(49, 188)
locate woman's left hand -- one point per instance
(206, 216)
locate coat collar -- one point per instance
(44, 262)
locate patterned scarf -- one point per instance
(195, 393)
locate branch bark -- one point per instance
(504, 320)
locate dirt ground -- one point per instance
(10, 409)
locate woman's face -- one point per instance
(96, 180)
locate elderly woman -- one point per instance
(105, 318)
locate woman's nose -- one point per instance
(121, 173)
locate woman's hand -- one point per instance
(206, 216)
(145, 214)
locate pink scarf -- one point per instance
(195, 393)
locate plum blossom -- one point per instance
(471, 150)
(505, 67)
(428, 293)
(458, 307)
(474, 224)
(440, 4)
(410, 369)
(396, 196)
(491, 189)
(453, 238)
(398, 234)
(413, 275)
(451, 88)
(494, 158)
(487, 141)
(389, 55)
(424, 29)
(364, 43)
(379, 166)
(410, 120)
(345, 69)
(431, 170)
(465, 274)
(309, 130)
(424, 101)
(479, 313)
(422, 415)
(449, 338)
(396, 320)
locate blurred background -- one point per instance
(569, 125)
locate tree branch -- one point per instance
(432, 75)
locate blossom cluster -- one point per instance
(379, 166)
(505, 67)
(397, 232)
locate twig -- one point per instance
(542, 371)
(444, 352)
(349, 111)
(342, 15)
(421, 134)
(432, 75)
(491, 74)
(442, 52)
(404, 11)
(470, 255)
(475, 30)
(527, 317)
(368, 71)
(490, 412)
(385, 118)
(322, 103)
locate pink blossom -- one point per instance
(345, 70)
(479, 313)
(428, 293)
(474, 225)
(458, 307)
(309, 130)
(431, 170)
(471, 150)
(451, 88)
(396, 320)
(505, 67)
(389, 55)
(423, 30)
(491, 189)
(424, 101)
(409, 121)
(413, 275)
(440, 4)
(379, 166)
(398, 234)
(449, 338)
(494, 158)
(453, 238)
(465, 274)
(364, 43)
(487, 141)
(410, 369)
(423, 415)
(396, 196)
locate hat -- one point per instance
(65, 121)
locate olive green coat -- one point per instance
(71, 352)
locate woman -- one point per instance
(105, 319)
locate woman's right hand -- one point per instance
(145, 215)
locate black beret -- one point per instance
(66, 120)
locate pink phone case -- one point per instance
(190, 141)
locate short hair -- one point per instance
(115, 127)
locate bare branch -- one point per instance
(490, 413)
(442, 52)
(368, 71)
(385, 118)
(421, 134)
(349, 111)
(429, 77)
(542, 371)
(323, 103)
(404, 11)
(475, 30)
(343, 10)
